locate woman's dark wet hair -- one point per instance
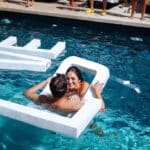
(76, 71)
(58, 85)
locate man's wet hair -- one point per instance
(58, 85)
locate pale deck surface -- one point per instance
(61, 8)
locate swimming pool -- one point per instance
(126, 123)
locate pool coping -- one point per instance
(115, 15)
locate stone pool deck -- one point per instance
(115, 15)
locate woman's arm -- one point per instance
(97, 89)
(85, 86)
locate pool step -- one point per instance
(28, 53)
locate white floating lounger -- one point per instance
(32, 49)
(14, 61)
(55, 122)
(7, 64)
(30, 57)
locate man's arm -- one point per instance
(31, 92)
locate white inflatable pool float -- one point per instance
(70, 126)
(16, 61)
(100, 72)
(29, 57)
(32, 48)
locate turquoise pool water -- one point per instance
(126, 51)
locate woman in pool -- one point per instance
(75, 83)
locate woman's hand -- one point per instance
(97, 88)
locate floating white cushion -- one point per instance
(55, 122)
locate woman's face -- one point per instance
(73, 81)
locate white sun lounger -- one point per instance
(73, 126)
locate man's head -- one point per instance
(58, 85)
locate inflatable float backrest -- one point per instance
(100, 72)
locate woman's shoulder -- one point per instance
(84, 84)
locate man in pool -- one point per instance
(59, 100)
